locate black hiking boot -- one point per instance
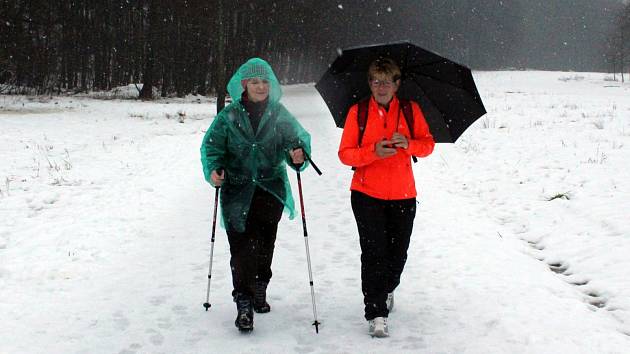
(245, 313)
(260, 298)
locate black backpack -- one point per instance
(362, 115)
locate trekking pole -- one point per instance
(214, 227)
(308, 254)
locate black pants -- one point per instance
(252, 250)
(384, 232)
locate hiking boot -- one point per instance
(260, 298)
(390, 301)
(245, 313)
(377, 327)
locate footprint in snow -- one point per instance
(179, 310)
(559, 268)
(580, 282)
(132, 349)
(164, 323)
(595, 299)
(304, 349)
(155, 337)
(592, 297)
(197, 336)
(158, 300)
(120, 321)
(535, 245)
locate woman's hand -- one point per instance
(297, 156)
(400, 141)
(384, 149)
(218, 177)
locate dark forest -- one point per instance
(191, 46)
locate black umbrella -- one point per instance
(444, 89)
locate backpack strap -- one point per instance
(362, 115)
(408, 113)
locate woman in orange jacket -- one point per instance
(383, 192)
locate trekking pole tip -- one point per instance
(316, 324)
(206, 305)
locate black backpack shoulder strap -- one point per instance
(362, 115)
(408, 113)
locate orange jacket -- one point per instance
(389, 178)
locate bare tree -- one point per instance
(624, 39)
(153, 8)
(220, 60)
(618, 46)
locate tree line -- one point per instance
(180, 47)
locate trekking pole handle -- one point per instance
(312, 164)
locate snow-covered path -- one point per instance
(105, 229)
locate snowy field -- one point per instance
(521, 241)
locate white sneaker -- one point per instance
(390, 301)
(378, 327)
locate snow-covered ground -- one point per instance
(521, 242)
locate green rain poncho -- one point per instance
(252, 159)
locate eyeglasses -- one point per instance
(383, 83)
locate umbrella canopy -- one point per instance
(444, 89)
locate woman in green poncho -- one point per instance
(244, 152)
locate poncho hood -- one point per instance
(254, 68)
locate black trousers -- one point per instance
(384, 233)
(252, 250)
